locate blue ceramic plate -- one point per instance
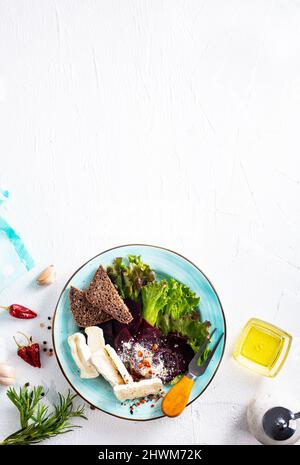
(98, 392)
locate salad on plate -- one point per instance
(139, 329)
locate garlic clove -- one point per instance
(7, 370)
(47, 276)
(7, 381)
(7, 374)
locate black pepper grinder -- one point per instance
(279, 423)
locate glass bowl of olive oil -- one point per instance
(262, 347)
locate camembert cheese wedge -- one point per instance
(105, 367)
(127, 378)
(139, 389)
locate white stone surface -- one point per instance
(173, 123)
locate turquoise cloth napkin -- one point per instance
(14, 257)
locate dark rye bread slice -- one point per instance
(103, 295)
(83, 312)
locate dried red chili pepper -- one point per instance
(34, 352)
(29, 353)
(22, 352)
(18, 311)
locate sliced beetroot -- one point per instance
(136, 312)
(148, 330)
(174, 338)
(172, 361)
(123, 337)
(108, 332)
(169, 359)
(172, 351)
(146, 326)
(149, 335)
(178, 344)
(147, 339)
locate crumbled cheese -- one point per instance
(140, 359)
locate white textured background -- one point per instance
(174, 123)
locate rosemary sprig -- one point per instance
(37, 423)
(26, 401)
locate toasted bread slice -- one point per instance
(83, 312)
(103, 295)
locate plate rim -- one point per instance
(98, 255)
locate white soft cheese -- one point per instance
(95, 338)
(119, 364)
(105, 367)
(140, 389)
(81, 354)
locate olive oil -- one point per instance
(262, 347)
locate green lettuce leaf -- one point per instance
(181, 299)
(154, 298)
(188, 326)
(170, 298)
(129, 275)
